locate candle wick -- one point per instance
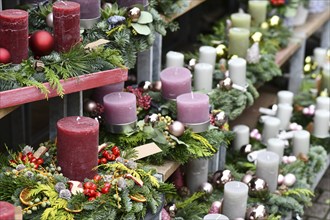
(78, 119)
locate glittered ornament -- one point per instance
(258, 188)
(226, 84)
(39, 66)
(134, 14)
(221, 177)
(247, 178)
(145, 85)
(207, 188)
(49, 20)
(90, 106)
(220, 119)
(41, 43)
(216, 207)
(256, 212)
(176, 128)
(5, 56)
(289, 179)
(245, 149)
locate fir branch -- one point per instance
(188, 201)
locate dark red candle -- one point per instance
(14, 33)
(77, 147)
(7, 211)
(66, 25)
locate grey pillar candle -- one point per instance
(276, 145)
(271, 128)
(174, 58)
(285, 97)
(323, 103)
(203, 77)
(301, 142)
(207, 54)
(321, 123)
(196, 173)
(267, 168)
(215, 217)
(235, 199)
(242, 136)
(284, 112)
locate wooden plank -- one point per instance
(6, 111)
(193, 4)
(285, 54)
(30, 94)
(167, 169)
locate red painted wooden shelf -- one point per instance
(29, 94)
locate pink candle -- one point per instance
(102, 91)
(175, 81)
(192, 108)
(14, 33)
(77, 147)
(120, 108)
(89, 8)
(66, 25)
(7, 211)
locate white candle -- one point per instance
(284, 112)
(235, 199)
(276, 145)
(271, 128)
(285, 97)
(237, 71)
(301, 142)
(326, 76)
(323, 102)
(203, 77)
(320, 55)
(196, 173)
(321, 123)
(242, 136)
(267, 168)
(174, 58)
(215, 217)
(242, 20)
(207, 54)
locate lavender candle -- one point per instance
(89, 12)
(130, 3)
(267, 168)
(102, 91)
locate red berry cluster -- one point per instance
(109, 156)
(96, 188)
(277, 2)
(28, 158)
(142, 100)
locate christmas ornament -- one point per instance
(258, 188)
(176, 128)
(90, 106)
(221, 177)
(134, 14)
(207, 188)
(253, 54)
(145, 85)
(274, 21)
(256, 212)
(156, 86)
(38, 65)
(49, 20)
(222, 51)
(256, 37)
(191, 64)
(247, 178)
(245, 149)
(264, 25)
(215, 207)
(5, 56)
(289, 179)
(226, 84)
(220, 118)
(41, 43)
(171, 209)
(280, 179)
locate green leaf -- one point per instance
(159, 138)
(145, 18)
(141, 29)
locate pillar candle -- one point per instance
(267, 168)
(321, 123)
(7, 211)
(192, 108)
(301, 142)
(320, 55)
(196, 174)
(271, 128)
(237, 71)
(203, 77)
(129, 3)
(175, 81)
(284, 112)
(326, 76)
(323, 102)
(258, 11)
(242, 136)
(89, 9)
(102, 91)
(215, 217)
(241, 20)
(174, 58)
(235, 199)
(207, 54)
(285, 97)
(77, 147)
(120, 108)
(66, 17)
(14, 33)
(238, 41)
(276, 145)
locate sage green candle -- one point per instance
(238, 41)
(326, 77)
(258, 11)
(241, 20)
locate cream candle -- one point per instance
(284, 112)
(120, 108)
(207, 54)
(321, 123)
(271, 128)
(258, 11)
(320, 55)
(301, 142)
(235, 199)
(203, 77)
(237, 71)
(215, 217)
(276, 145)
(323, 102)
(102, 91)
(242, 136)
(174, 58)
(285, 97)
(238, 41)
(267, 168)
(175, 81)
(326, 76)
(196, 173)
(241, 20)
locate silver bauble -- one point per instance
(221, 177)
(134, 14)
(156, 86)
(207, 188)
(247, 178)
(176, 128)
(90, 106)
(191, 64)
(258, 188)
(226, 84)
(220, 119)
(245, 149)
(50, 20)
(145, 85)
(256, 212)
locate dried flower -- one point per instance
(59, 186)
(65, 194)
(20, 167)
(27, 149)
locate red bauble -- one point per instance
(5, 56)
(41, 43)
